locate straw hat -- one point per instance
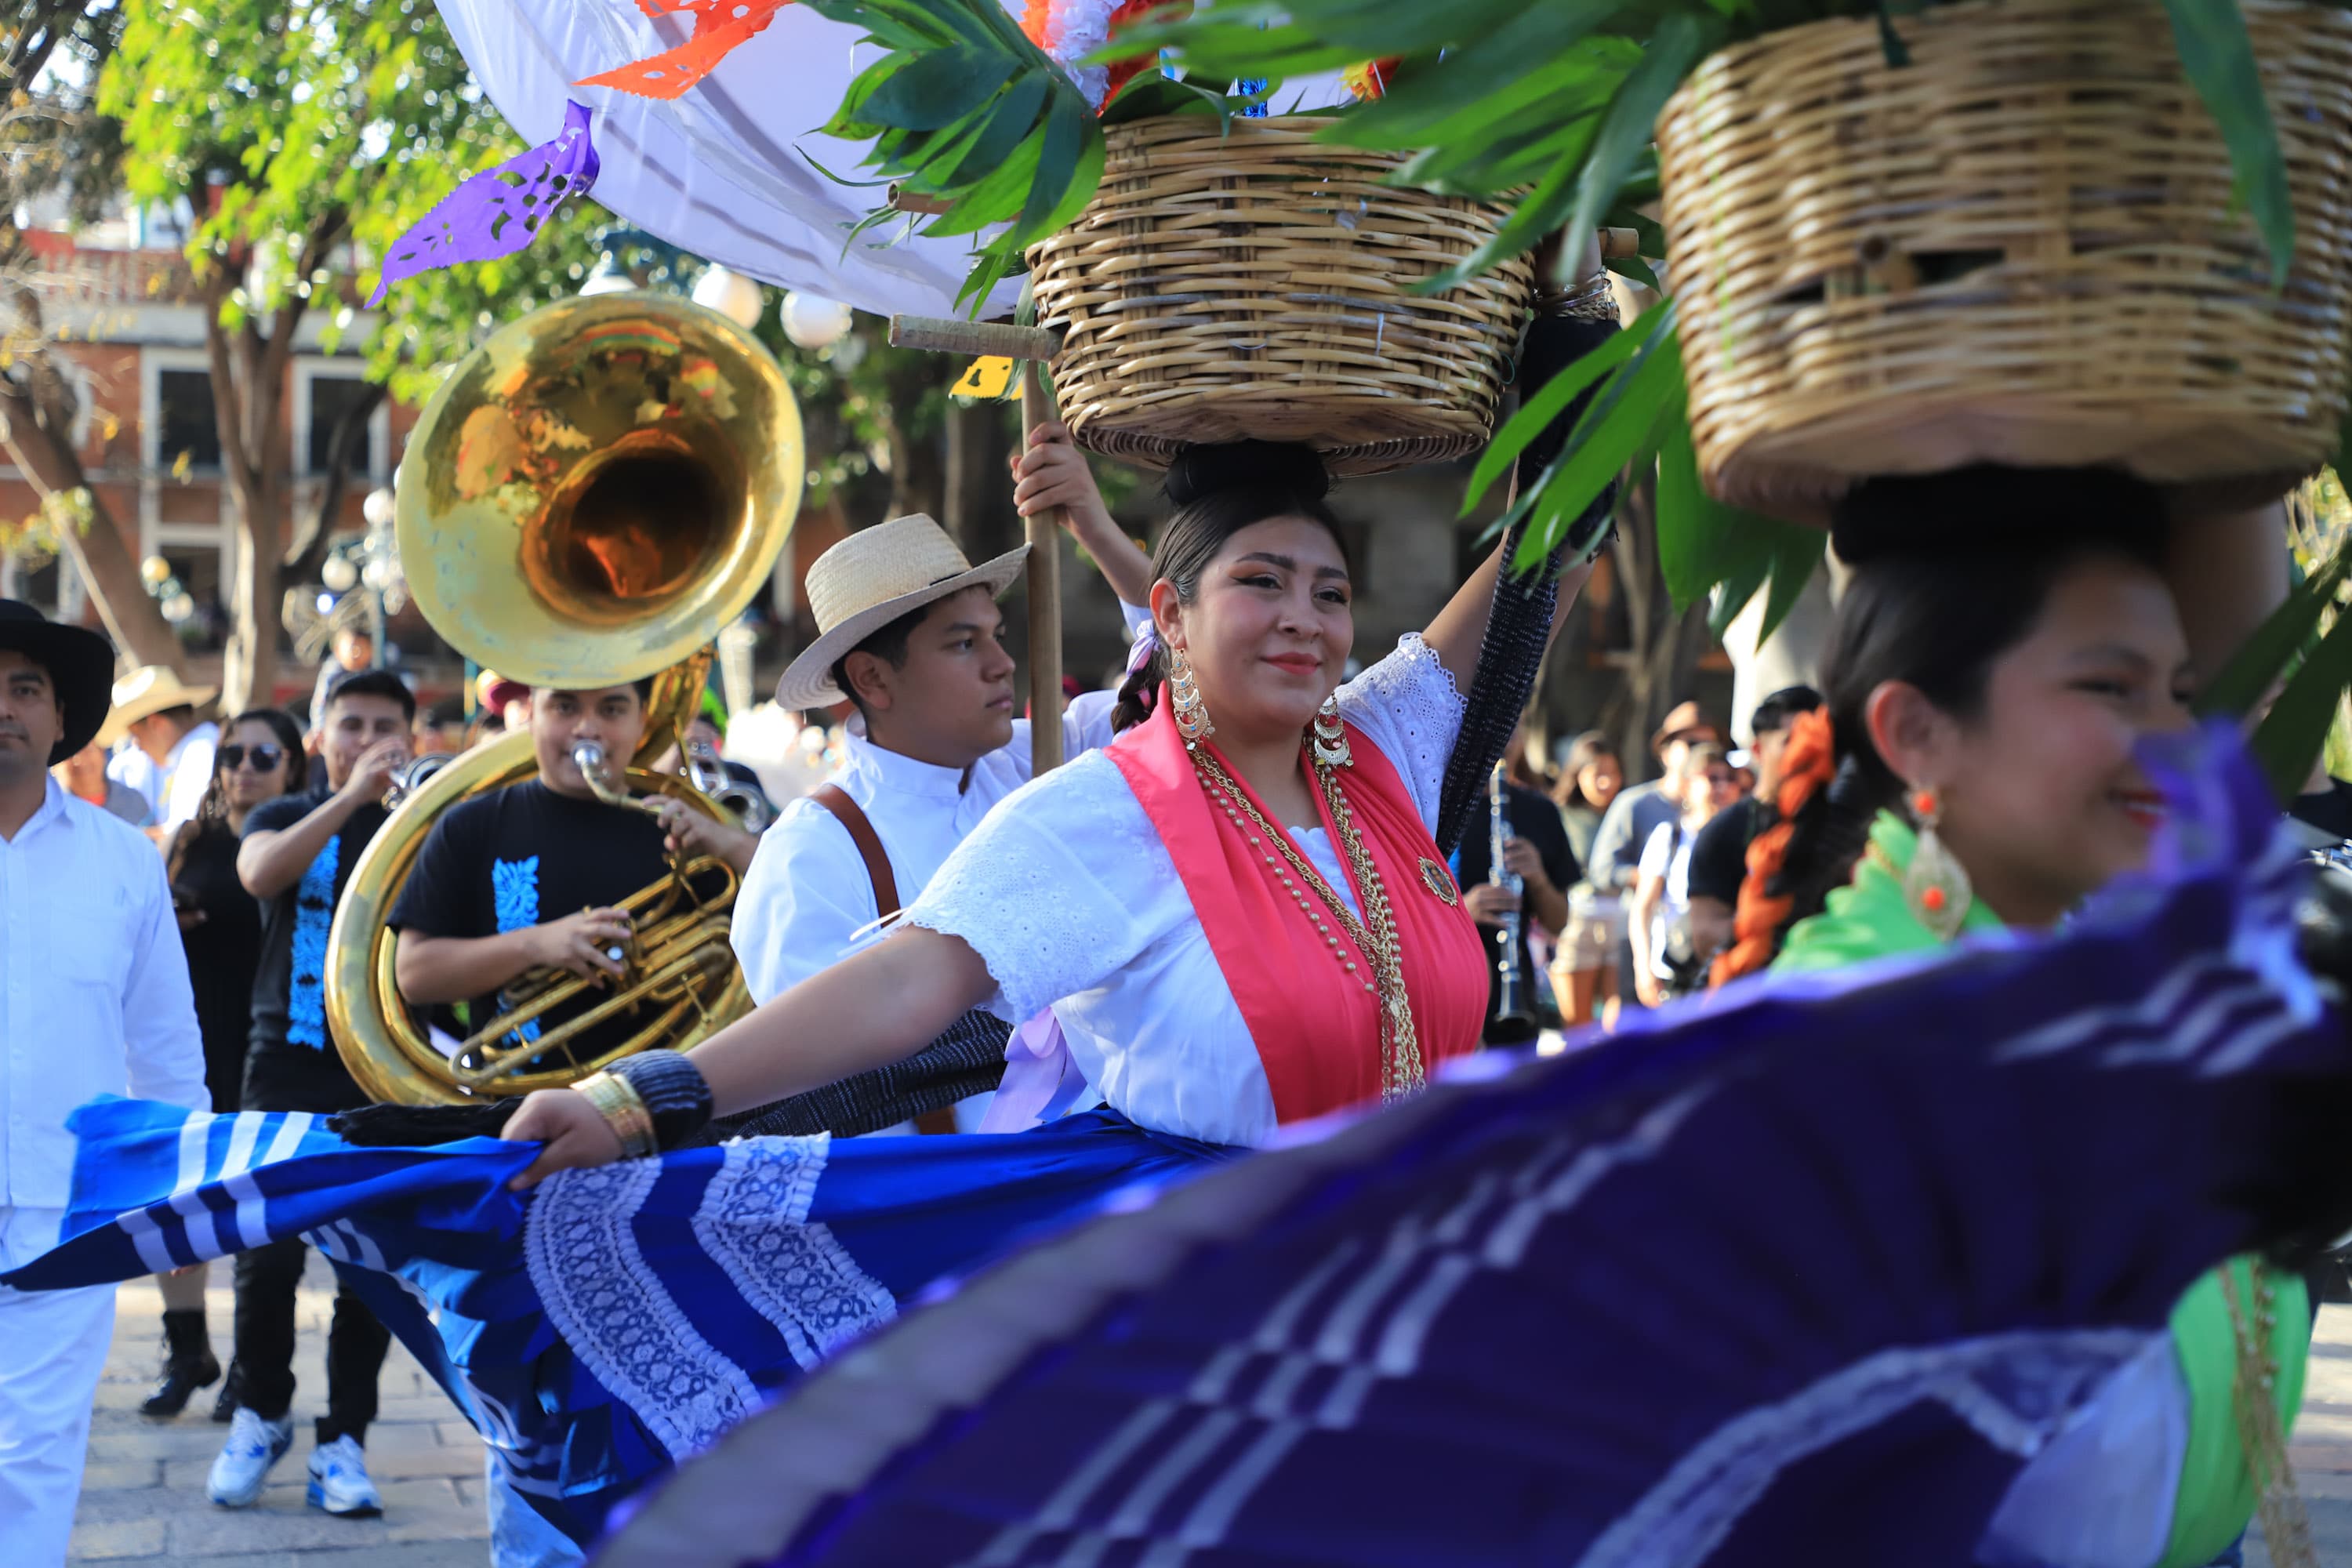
(149, 689)
(1686, 721)
(869, 580)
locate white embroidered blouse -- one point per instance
(1069, 896)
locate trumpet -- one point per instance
(748, 806)
(414, 775)
(1511, 984)
(588, 758)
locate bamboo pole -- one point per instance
(1044, 529)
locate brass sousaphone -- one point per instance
(587, 500)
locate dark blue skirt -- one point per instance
(614, 1322)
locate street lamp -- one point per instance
(815, 323)
(608, 278)
(730, 294)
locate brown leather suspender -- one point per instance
(834, 799)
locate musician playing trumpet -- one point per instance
(1536, 850)
(296, 858)
(532, 878)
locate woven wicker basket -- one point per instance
(2020, 248)
(1255, 284)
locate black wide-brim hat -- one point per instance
(80, 665)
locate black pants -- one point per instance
(267, 1279)
(298, 1078)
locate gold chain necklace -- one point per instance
(2286, 1524)
(1401, 1072)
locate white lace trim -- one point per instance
(1410, 707)
(753, 1222)
(618, 1316)
(2017, 1390)
(1030, 891)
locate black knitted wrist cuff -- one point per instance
(673, 1090)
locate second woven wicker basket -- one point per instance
(2021, 247)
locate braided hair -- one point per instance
(1949, 573)
(1218, 490)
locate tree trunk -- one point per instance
(132, 617)
(248, 395)
(1666, 645)
(37, 414)
(979, 515)
(917, 460)
(316, 532)
(250, 663)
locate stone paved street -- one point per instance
(142, 1496)
(144, 1491)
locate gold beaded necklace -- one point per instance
(2286, 1524)
(1374, 937)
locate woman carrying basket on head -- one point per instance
(2006, 639)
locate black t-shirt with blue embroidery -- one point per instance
(521, 857)
(293, 1064)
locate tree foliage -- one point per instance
(306, 137)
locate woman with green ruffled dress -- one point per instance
(2005, 642)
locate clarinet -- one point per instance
(1511, 985)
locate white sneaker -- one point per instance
(338, 1480)
(255, 1444)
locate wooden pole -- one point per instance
(948, 334)
(1045, 533)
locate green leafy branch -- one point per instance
(963, 108)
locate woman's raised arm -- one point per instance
(1456, 636)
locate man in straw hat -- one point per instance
(1639, 812)
(170, 759)
(910, 634)
(94, 999)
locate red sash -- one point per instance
(1317, 1028)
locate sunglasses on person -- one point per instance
(264, 757)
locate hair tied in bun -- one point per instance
(1201, 471)
(1986, 507)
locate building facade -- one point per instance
(127, 331)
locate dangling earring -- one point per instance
(1329, 735)
(1192, 714)
(1937, 885)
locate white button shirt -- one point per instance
(94, 995)
(175, 787)
(807, 900)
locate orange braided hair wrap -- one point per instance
(1807, 764)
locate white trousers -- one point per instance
(52, 1351)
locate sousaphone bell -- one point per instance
(589, 498)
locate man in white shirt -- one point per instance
(170, 760)
(909, 632)
(94, 999)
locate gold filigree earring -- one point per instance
(1937, 885)
(1329, 736)
(1192, 720)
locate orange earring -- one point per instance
(1935, 884)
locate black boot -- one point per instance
(188, 1364)
(225, 1406)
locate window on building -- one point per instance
(185, 419)
(332, 398)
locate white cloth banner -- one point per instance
(724, 171)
